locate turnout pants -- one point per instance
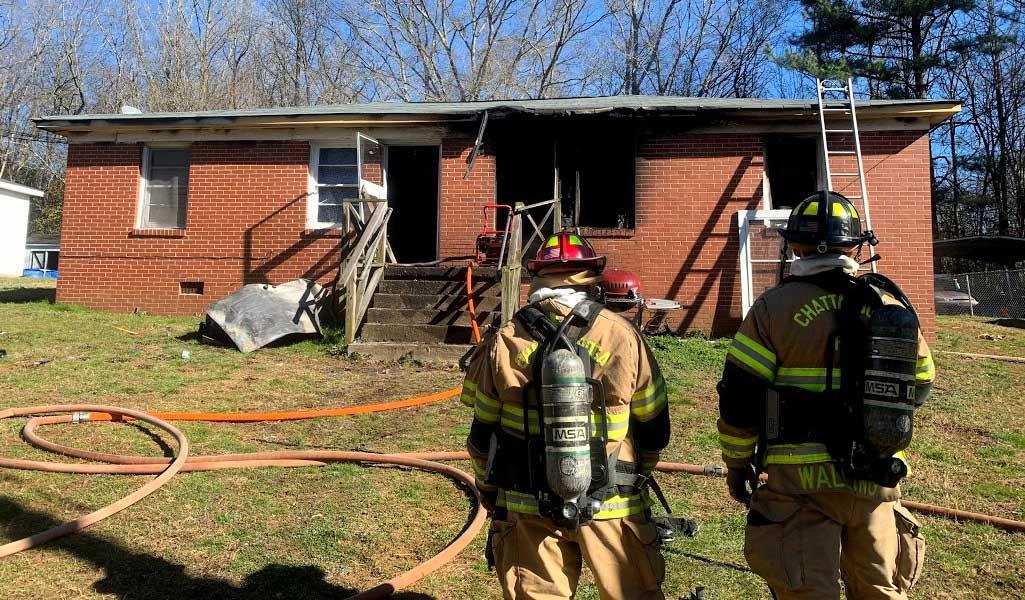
(803, 544)
(536, 560)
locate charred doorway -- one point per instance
(413, 197)
(525, 173)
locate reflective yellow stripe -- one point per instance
(517, 502)
(807, 378)
(617, 507)
(619, 423)
(837, 209)
(760, 349)
(754, 355)
(486, 408)
(512, 419)
(650, 401)
(737, 441)
(467, 395)
(903, 457)
(751, 362)
(737, 447)
(730, 453)
(796, 454)
(523, 358)
(925, 369)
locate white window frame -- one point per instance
(313, 186)
(769, 218)
(144, 175)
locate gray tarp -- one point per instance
(258, 314)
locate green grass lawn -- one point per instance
(321, 533)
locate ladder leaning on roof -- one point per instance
(840, 94)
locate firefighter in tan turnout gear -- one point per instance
(819, 391)
(570, 414)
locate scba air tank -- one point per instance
(566, 405)
(889, 395)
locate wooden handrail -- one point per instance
(363, 269)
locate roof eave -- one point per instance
(935, 112)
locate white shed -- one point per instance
(14, 209)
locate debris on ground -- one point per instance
(258, 314)
(990, 337)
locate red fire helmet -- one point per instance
(566, 251)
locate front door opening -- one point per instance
(413, 197)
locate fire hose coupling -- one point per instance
(714, 471)
(80, 417)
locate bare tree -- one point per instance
(689, 47)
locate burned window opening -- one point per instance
(792, 165)
(590, 174)
(596, 180)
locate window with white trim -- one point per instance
(335, 179)
(165, 188)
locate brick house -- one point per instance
(166, 212)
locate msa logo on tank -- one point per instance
(882, 388)
(569, 434)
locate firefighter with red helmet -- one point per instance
(819, 391)
(570, 414)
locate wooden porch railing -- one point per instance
(363, 268)
(511, 262)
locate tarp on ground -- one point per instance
(258, 314)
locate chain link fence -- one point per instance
(986, 294)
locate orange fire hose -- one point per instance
(470, 307)
(182, 462)
(295, 415)
(166, 468)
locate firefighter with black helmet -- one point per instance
(819, 392)
(570, 414)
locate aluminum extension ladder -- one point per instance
(833, 91)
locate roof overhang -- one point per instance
(390, 114)
(994, 248)
(20, 190)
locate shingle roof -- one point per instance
(553, 107)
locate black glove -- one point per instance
(742, 482)
(489, 499)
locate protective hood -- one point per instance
(813, 265)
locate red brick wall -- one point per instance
(684, 246)
(462, 199)
(690, 186)
(246, 223)
(897, 170)
(247, 215)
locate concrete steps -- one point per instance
(421, 313)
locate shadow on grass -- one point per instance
(24, 295)
(140, 576)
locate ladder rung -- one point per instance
(839, 131)
(841, 151)
(834, 89)
(833, 109)
(846, 174)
